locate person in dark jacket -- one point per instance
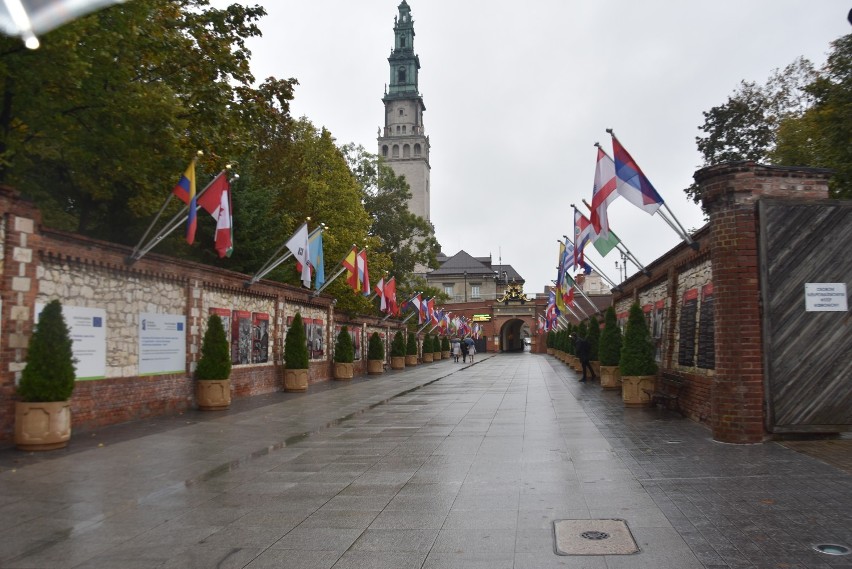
(584, 352)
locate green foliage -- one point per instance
(427, 344)
(49, 372)
(445, 344)
(594, 337)
(376, 348)
(411, 345)
(637, 351)
(398, 345)
(582, 330)
(296, 345)
(609, 351)
(344, 352)
(215, 360)
(551, 339)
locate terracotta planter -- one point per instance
(375, 367)
(343, 372)
(295, 380)
(437, 356)
(397, 362)
(445, 354)
(410, 360)
(632, 387)
(549, 351)
(610, 377)
(213, 394)
(596, 367)
(427, 357)
(42, 426)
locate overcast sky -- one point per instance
(517, 93)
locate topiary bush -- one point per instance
(445, 344)
(427, 344)
(594, 338)
(609, 350)
(344, 352)
(551, 339)
(376, 348)
(49, 373)
(215, 360)
(637, 351)
(398, 345)
(411, 346)
(296, 345)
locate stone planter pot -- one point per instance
(397, 362)
(427, 357)
(295, 380)
(632, 387)
(343, 372)
(375, 367)
(213, 394)
(445, 354)
(410, 360)
(437, 356)
(596, 367)
(610, 377)
(42, 426)
(550, 351)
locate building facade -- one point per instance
(465, 278)
(402, 141)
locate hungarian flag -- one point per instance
(632, 183)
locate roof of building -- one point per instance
(463, 262)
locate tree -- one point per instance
(215, 360)
(610, 342)
(637, 350)
(594, 338)
(296, 345)
(376, 347)
(344, 352)
(49, 372)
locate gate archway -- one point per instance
(512, 334)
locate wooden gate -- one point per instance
(807, 354)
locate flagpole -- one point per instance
(407, 318)
(683, 232)
(625, 250)
(174, 223)
(600, 272)
(337, 274)
(592, 304)
(270, 265)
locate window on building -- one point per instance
(448, 290)
(474, 290)
(400, 75)
(398, 129)
(417, 150)
(403, 129)
(401, 112)
(402, 41)
(406, 151)
(395, 153)
(385, 150)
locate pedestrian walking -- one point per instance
(471, 349)
(464, 352)
(456, 349)
(584, 352)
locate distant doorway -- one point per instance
(512, 335)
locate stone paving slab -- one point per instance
(443, 465)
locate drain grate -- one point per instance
(593, 537)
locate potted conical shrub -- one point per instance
(428, 352)
(445, 348)
(550, 342)
(398, 351)
(609, 351)
(43, 414)
(637, 365)
(344, 354)
(296, 367)
(375, 355)
(213, 383)
(411, 350)
(594, 338)
(437, 355)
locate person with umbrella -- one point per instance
(470, 348)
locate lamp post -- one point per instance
(465, 286)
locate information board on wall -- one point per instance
(88, 337)
(826, 297)
(162, 343)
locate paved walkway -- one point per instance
(440, 466)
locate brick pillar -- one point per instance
(730, 193)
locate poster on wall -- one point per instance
(259, 337)
(88, 337)
(162, 343)
(225, 315)
(316, 341)
(657, 328)
(686, 335)
(240, 337)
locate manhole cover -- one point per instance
(832, 549)
(593, 537)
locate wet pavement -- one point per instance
(439, 466)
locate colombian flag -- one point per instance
(185, 190)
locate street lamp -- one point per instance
(465, 286)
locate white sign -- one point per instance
(825, 297)
(88, 337)
(162, 343)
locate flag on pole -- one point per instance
(298, 245)
(582, 236)
(416, 302)
(363, 273)
(317, 259)
(604, 191)
(605, 244)
(424, 311)
(185, 190)
(632, 183)
(390, 296)
(350, 264)
(217, 202)
(380, 292)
